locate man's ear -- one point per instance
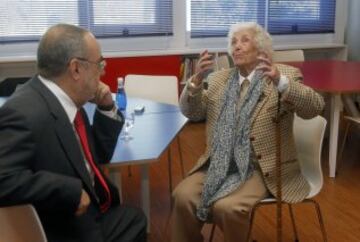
(75, 69)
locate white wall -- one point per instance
(353, 30)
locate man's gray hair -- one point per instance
(57, 47)
(262, 38)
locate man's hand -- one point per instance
(84, 203)
(269, 69)
(205, 63)
(103, 96)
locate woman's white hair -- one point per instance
(262, 38)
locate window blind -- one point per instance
(211, 18)
(27, 20)
(131, 17)
(299, 17)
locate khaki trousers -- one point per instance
(230, 213)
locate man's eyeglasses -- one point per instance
(100, 64)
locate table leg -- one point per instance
(334, 132)
(145, 192)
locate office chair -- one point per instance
(20, 224)
(8, 86)
(222, 62)
(309, 135)
(288, 55)
(352, 118)
(161, 89)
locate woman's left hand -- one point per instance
(269, 69)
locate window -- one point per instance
(297, 17)
(136, 27)
(212, 18)
(131, 17)
(26, 20)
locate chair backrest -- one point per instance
(9, 85)
(350, 107)
(20, 224)
(158, 88)
(309, 135)
(222, 62)
(288, 55)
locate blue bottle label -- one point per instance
(121, 99)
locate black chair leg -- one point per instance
(251, 222)
(320, 218)
(293, 222)
(340, 153)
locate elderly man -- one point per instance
(238, 166)
(49, 152)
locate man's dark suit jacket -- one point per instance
(41, 160)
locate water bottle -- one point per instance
(121, 95)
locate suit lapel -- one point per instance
(65, 133)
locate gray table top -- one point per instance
(153, 131)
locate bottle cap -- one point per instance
(120, 82)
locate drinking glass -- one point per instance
(128, 125)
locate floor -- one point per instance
(339, 198)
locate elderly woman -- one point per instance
(238, 166)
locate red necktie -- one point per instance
(80, 129)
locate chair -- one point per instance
(161, 89)
(309, 136)
(353, 117)
(157, 88)
(8, 86)
(222, 61)
(20, 224)
(288, 55)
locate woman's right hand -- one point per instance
(205, 64)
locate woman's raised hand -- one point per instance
(205, 64)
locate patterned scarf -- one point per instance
(230, 152)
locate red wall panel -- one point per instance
(148, 65)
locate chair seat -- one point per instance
(21, 224)
(314, 190)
